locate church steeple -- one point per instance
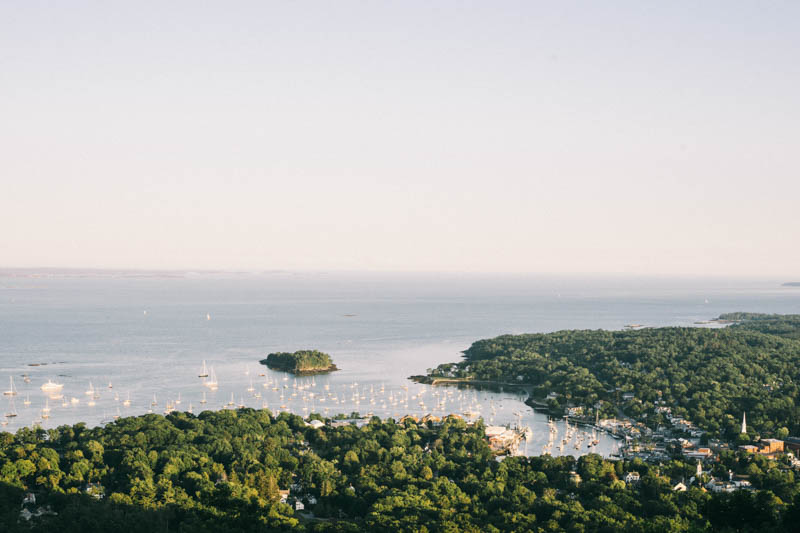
(744, 422)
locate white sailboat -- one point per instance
(211, 382)
(204, 398)
(204, 371)
(90, 390)
(12, 409)
(127, 401)
(12, 390)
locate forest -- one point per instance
(300, 362)
(226, 471)
(710, 376)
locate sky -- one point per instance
(642, 137)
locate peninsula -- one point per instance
(302, 362)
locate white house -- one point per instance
(632, 477)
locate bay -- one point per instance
(148, 336)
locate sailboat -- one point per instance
(12, 409)
(46, 409)
(12, 391)
(90, 390)
(127, 401)
(204, 372)
(204, 397)
(211, 382)
(27, 400)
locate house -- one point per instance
(627, 396)
(30, 498)
(551, 396)
(95, 490)
(575, 478)
(632, 477)
(574, 411)
(717, 485)
(284, 494)
(680, 487)
(316, 424)
(298, 505)
(435, 420)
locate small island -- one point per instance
(302, 362)
(792, 284)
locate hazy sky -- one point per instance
(640, 137)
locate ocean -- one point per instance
(148, 336)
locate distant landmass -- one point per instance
(300, 362)
(791, 284)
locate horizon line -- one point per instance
(5, 271)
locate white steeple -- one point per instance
(744, 422)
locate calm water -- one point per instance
(149, 337)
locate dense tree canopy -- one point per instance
(710, 376)
(782, 325)
(222, 471)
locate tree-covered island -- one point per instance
(300, 362)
